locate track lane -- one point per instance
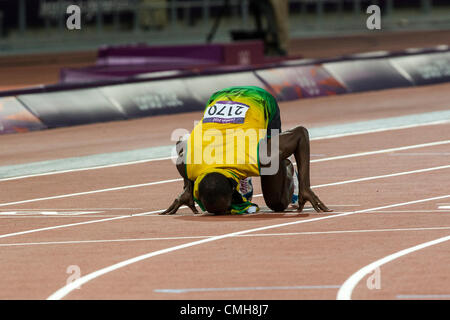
(73, 182)
(420, 271)
(158, 194)
(398, 279)
(229, 271)
(126, 229)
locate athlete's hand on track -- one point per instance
(308, 195)
(185, 198)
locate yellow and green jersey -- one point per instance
(235, 120)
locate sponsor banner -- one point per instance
(122, 72)
(300, 82)
(84, 75)
(14, 117)
(202, 87)
(424, 69)
(143, 54)
(71, 107)
(367, 75)
(235, 53)
(152, 98)
(184, 91)
(128, 61)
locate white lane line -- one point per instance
(444, 207)
(246, 289)
(72, 209)
(60, 226)
(76, 224)
(91, 192)
(345, 291)
(64, 291)
(414, 211)
(423, 296)
(360, 154)
(47, 213)
(345, 205)
(374, 177)
(385, 176)
(414, 154)
(35, 213)
(180, 179)
(57, 216)
(161, 210)
(341, 135)
(283, 234)
(88, 168)
(312, 139)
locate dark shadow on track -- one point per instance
(264, 213)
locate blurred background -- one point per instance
(33, 33)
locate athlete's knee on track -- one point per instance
(278, 206)
(302, 131)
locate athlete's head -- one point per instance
(215, 192)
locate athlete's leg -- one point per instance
(294, 142)
(278, 188)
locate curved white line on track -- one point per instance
(64, 291)
(286, 234)
(345, 291)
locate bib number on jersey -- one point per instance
(226, 112)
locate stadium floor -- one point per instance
(387, 237)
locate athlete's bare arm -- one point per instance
(186, 197)
(292, 142)
(296, 142)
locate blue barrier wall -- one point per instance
(15, 117)
(58, 106)
(425, 68)
(152, 98)
(366, 75)
(72, 107)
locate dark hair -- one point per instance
(215, 192)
